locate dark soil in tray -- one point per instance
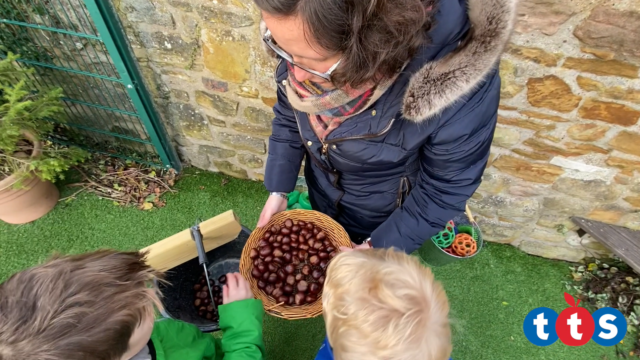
(178, 295)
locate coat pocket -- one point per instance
(403, 191)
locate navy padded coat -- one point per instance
(400, 170)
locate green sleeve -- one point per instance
(241, 324)
(177, 340)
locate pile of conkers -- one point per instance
(206, 308)
(290, 262)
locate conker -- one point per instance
(286, 247)
(291, 280)
(302, 255)
(330, 249)
(321, 280)
(265, 276)
(278, 253)
(253, 254)
(263, 243)
(299, 277)
(314, 288)
(278, 261)
(291, 300)
(202, 308)
(288, 289)
(313, 251)
(287, 257)
(294, 237)
(269, 289)
(197, 302)
(303, 246)
(311, 242)
(311, 298)
(277, 292)
(310, 226)
(295, 228)
(209, 316)
(206, 301)
(276, 244)
(323, 255)
(266, 251)
(324, 264)
(316, 274)
(301, 223)
(256, 273)
(268, 259)
(333, 254)
(294, 253)
(289, 268)
(261, 285)
(306, 270)
(267, 235)
(282, 299)
(299, 299)
(326, 243)
(296, 260)
(272, 278)
(286, 240)
(210, 308)
(275, 229)
(197, 287)
(203, 295)
(257, 261)
(273, 267)
(318, 245)
(320, 235)
(288, 223)
(285, 231)
(303, 233)
(302, 286)
(314, 260)
(279, 238)
(281, 274)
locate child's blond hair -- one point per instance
(382, 304)
(76, 307)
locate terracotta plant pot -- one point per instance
(34, 199)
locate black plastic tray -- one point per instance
(178, 295)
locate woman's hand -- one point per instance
(274, 205)
(236, 289)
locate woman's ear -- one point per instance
(265, 47)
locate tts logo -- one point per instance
(574, 326)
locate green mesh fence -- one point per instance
(79, 45)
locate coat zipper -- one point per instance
(325, 144)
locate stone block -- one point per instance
(234, 19)
(567, 205)
(251, 161)
(258, 117)
(609, 112)
(631, 221)
(269, 101)
(248, 92)
(607, 213)
(587, 131)
(509, 87)
(251, 129)
(216, 122)
(553, 93)
(191, 121)
(526, 124)
(532, 155)
(602, 67)
(543, 116)
(624, 164)
(595, 190)
(166, 42)
(627, 142)
(221, 104)
(146, 11)
(545, 16)
(242, 142)
(535, 55)
(216, 152)
(512, 208)
(230, 169)
(526, 170)
(226, 54)
(610, 28)
(552, 250)
(505, 137)
(215, 85)
(499, 232)
(180, 95)
(633, 200)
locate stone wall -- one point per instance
(568, 140)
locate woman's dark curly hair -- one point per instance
(375, 37)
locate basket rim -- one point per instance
(246, 264)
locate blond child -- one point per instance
(100, 306)
(382, 304)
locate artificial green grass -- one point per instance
(490, 295)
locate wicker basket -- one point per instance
(335, 233)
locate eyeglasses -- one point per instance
(268, 39)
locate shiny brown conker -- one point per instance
(197, 302)
(263, 243)
(287, 257)
(278, 261)
(295, 228)
(269, 289)
(311, 298)
(324, 264)
(286, 240)
(272, 267)
(289, 268)
(299, 277)
(302, 286)
(321, 280)
(299, 299)
(268, 259)
(276, 244)
(277, 292)
(273, 278)
(313, 251)
(323, 255)
(285, 231)
(288, 223)
(314, 288)
(267, 235)
(282, 299)
(261, 285)
(265, 251)
(286, 247)
(256, 273)
(278, 253)
(303, 246)
(197, 287)
(291, 280)
(281, 274)
(317, 273)
(314, 260)
(306, 270)
(288, 289)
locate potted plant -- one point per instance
(28, 162)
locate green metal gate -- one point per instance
(79, 45)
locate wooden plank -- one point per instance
(179, 248)
(622, 241)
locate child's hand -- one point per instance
(236, 288)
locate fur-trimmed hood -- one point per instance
(438, 84)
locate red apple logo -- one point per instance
(575, 325)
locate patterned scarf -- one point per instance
(328, 109)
